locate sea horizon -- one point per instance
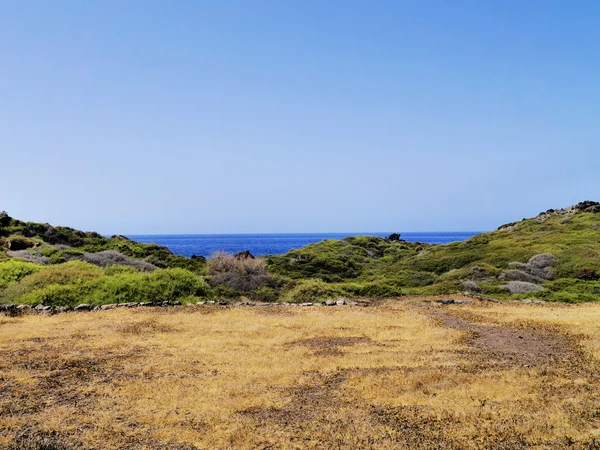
(263, 244)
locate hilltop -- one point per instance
(553, 256)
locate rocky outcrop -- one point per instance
(588, 275)
(244, 255)
(17, 243)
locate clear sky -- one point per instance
(297, 116)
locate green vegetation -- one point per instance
(554, 257)
(484, 264)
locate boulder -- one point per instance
(83, 307)
(244, 255)
(588, 275)
(394, 237)
(329, 302)
(340, 302)
(449, 301)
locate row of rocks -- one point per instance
(11, 308)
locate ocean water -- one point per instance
(272, 244)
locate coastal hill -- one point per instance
(554, 256)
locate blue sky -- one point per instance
(297, 116)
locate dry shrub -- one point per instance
(114, 258)
(31, 256)
(243, 274)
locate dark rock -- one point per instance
(588, 206)
(394, 237)
(198, 258)
(588, 275)
(446, 302)
(244, 255)
(20, 243)
(120, 237)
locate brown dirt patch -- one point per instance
(506, 346)
(150, 326)
(330, 345)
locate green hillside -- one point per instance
(554, 256)
(564, 245)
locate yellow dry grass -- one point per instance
(387, 376)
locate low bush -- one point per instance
(241, 274)
(112, 257)
(312, 291)
(117, 285)
(32, 255)
(75, 273)
(13, 271)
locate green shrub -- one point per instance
(48, 251)
(57, 258)
(264, 294)
(312, 291)
(116, 270)
(74, 273)
(57, 295)
(13, 271)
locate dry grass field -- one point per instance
(402, 374)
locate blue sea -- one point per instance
(272, 244)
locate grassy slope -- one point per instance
(572, 236)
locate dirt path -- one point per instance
(500, 345)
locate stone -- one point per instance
(462, 302)
(340, 302)
(83, 307)
(306, 304)
(175, 303)
(329, 303)
(244, 255)
(106, 307)
(200, 303)
(43, 308)
(394, 237)
(24, 307)
(352, 303)
(447, 301)
(210, 302)
(198, 258)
